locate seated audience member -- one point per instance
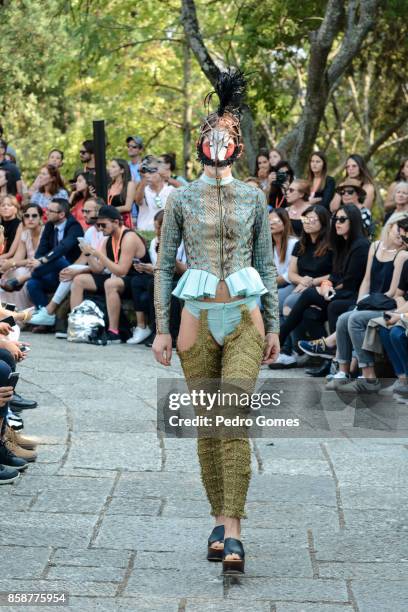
(15, 184)
(5, 186)
(11, 222)
(322, 186)
(84, 189)
(111, 269)
(50, 186)
(253, 181)
(402, 177)
(394, 336)
(385, 260)
(400, 199)
(167, 169)
(56, 159)
(336, 294)
(297, 201)
(121, 192)
(58, 248)
(275, 156)
(283, 243)
(356, 170)
(350, 192)
(281, 176)
(87, 158)
(151, 193)
(93, 237)
(310, 264)
(263, 169)
(16, 272)
(145, 300)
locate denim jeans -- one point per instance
(350, 331)
(395, 343)
(45, 279)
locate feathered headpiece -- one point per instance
(230, 89)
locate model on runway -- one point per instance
(224, 225)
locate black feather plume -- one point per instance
(230, 89)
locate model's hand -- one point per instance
(272, 348)
(161, 348)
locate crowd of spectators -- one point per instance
(342, 279)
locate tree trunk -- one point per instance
(322, 76)
(211, 71)
(187, 111)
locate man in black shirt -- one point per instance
(13, 173)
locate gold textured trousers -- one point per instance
(225, 463)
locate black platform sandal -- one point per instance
(217, 535)
(233, 566)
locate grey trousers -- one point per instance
(350, 331)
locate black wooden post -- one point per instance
(100, 158)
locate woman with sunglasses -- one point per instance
(356, 169)
(297, 199)
(84, 189)
(15, 269)
(310, 264)
(351, 192)
(336, 294)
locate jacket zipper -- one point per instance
(221, 228)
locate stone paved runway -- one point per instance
(116, 516)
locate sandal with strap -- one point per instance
(217, 535)
(11, 285)
(233, 566)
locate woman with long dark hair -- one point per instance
(84, 189)
(280, 178)
(310, 264)
(283, 243)
(356, 169)
(263, 169)
(321, 184)
(122, 190)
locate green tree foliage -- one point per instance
(66, 62)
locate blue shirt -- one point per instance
(134, 171)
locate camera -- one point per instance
(148, 165)
(281, 178)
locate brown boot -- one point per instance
(19, 439)
(23, 453)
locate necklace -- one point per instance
(388, 250)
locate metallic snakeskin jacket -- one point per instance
(220, 237)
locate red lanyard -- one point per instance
(116, 246)
(279, 204)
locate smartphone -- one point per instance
(81, 240)
(13, 379)
(24, 348)
(11, 307)
(10, 320)
(386, 316)
(135, 260)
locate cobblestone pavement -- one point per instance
(117, 517)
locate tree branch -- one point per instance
(398, 123)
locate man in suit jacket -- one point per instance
(58, 248)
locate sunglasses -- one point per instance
(291, 189)
(33, 216)
(83, 152)
(86, 211)
(130, 146)
(309, 220)
(56, 212)
(349, 191)
(340, 219)
(101, 225)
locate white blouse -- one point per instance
(282, 267)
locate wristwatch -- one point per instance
(43, 260)
(402, 315)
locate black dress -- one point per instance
(10, 230)
(327, 193)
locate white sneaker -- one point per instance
(283, 361)
(43, 318)
(139, 335)
(338, 379)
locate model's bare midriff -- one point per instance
(222, 294)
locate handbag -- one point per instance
(376, 301)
